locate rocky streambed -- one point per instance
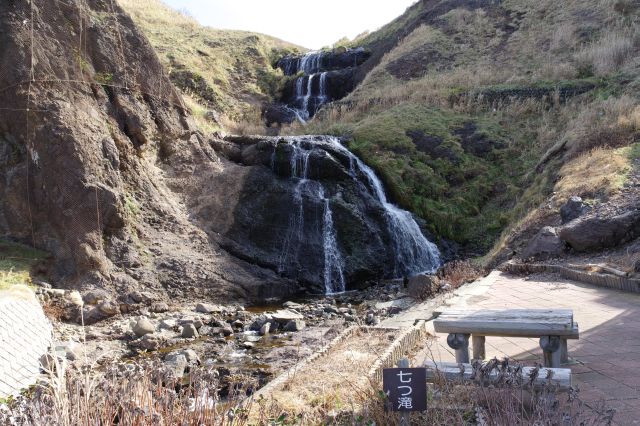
(259, 341)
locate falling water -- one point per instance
(309, 102)
(413, 253)
(307, 95)
(333, 261)
(334, 281)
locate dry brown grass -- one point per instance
(146, 394)
(54, 311)
(250, 123)
(608, 54)
(459, 272)
(595, 174)
(603, 123)
(510, 401)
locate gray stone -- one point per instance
(50, 362)
(237, 325)
(545, 245)
(264, 330)
(95, 296)
(70, 349)
(295, 325)
(423, 286)
(372, 319)
(205, 330)
(597, 233)
(189, 331)
(140, 297)
(176, 363)
(74, 298)
(292, 305)
(243, 315)
(286, 315)
(573, 209)
(207, 308)
(143, 327)
(109, 308)
(197, 322)
(248, 345)
(191, 355)
(148, 342)
(260, 321)
(168, 324)
(159, 307)
(636, 267)
(401, 303)
(227, 330)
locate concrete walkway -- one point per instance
(607, 356)
(25, 335)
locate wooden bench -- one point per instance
(559, 378)
(552, 326)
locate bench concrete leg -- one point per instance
(551, 348)
(564, 352)
(478, 347)
(460, 342)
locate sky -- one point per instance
(310, 24)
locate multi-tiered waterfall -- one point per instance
(322, 77)
(412, 252)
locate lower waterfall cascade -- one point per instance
(413, 252)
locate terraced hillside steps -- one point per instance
(346, 365)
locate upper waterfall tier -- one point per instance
(322, 77)
(315, 62)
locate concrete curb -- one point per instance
(602, 280)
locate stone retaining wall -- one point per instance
(603, 280)
(25, 335)
(401, 347)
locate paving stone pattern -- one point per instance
(25, 335)
(606, 358)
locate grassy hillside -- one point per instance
(476, 113)
(16, 263)
(228, 72)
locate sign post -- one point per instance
(406, 389)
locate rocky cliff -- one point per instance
(97, 156)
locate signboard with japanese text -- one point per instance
(406, 389)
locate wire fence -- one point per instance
(58, 52)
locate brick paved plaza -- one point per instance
(606, 359)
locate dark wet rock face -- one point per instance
(305, 208)
(322, 77)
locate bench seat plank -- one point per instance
(560, 377)
(510, 323)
